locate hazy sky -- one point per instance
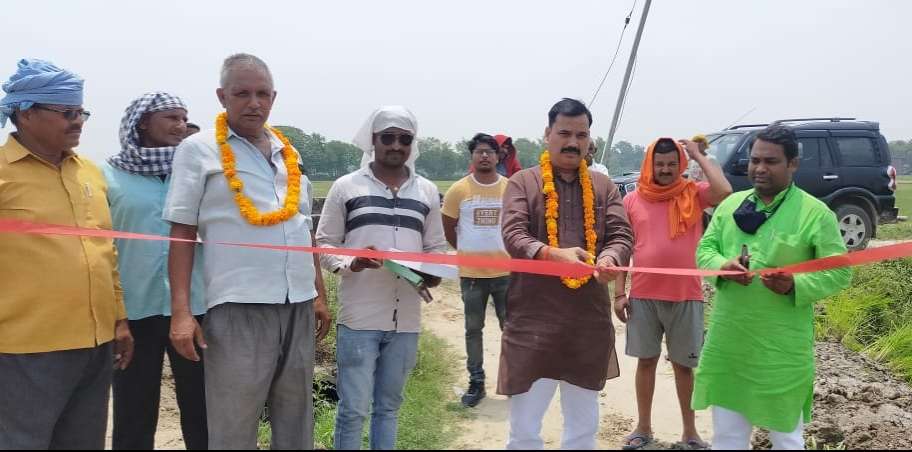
(496, 65)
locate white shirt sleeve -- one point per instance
(434, 238)
(331, 229)
(188, 183)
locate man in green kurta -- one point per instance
(757, 366)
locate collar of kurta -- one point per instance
(777, 201)
(15, 151)
(558, 178)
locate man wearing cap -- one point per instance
(62, 318)
(385, 205)
(138, 177)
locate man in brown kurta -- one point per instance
(557, 336)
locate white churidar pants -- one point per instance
(732, 431)
(579, 407)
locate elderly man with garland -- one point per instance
(242, 182)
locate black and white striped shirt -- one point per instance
(361, 211)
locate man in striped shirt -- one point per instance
(383, 205)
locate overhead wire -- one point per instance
(617, 51)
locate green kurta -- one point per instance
(759, 354)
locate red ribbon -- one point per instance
(572, 270)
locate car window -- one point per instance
(826, 159)
(722, 146)
(857, 151)
(809, 151)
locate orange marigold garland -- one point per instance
(248, 210)
(552, 213)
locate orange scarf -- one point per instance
(684, 209)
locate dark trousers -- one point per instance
(137, 390)
(55, 400)
(475, 295)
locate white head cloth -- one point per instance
(381, 119)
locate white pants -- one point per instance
(732, 431)
(579, 407)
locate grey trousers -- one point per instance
(258, 355)
(55, 400)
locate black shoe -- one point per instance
(474, 395)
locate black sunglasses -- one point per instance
(390, 138)
(68, 114)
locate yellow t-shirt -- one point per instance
(478, 208)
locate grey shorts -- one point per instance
(681, 323)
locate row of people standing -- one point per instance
(265, 310)
(761, 325)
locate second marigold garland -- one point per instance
(248, 210)
(552, 213)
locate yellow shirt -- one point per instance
(478, 209)
(56, 293)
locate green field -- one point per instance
(321, 187)
(904, 199)
(902, 230)
(874, 316)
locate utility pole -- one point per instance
(624, 86)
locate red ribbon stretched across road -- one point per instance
(575, 270)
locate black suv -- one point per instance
(844, 163)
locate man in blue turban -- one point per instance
(62, 317)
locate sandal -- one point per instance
(636, 441)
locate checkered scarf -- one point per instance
(133, 157)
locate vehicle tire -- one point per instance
(855, 225)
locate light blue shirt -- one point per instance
(199, 195)
(136, 206)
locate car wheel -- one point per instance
(855, 225)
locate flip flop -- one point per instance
(692, 444)
(641, 439)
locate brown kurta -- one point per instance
(552, 331)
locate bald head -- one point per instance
(241, 61)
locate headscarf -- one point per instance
(381, 119)
(684, 209)
(39, 82)
(133, 157)
(510, 164)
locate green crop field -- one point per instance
(904, 199)
(902, 230)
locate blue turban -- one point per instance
(39, 81)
